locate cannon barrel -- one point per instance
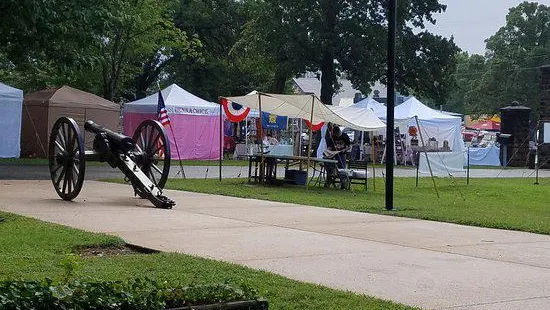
(120, 141)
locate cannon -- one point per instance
(139, 158)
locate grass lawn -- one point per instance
(34, 250)
(514, 204)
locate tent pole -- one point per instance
(417, 167)
(300, 138)
(373, 157)
(394, 152)
(221, 141)
(468, 166)
(261, 139)
(362, 154)
(310, 138)
(426, 154)
(246, 135)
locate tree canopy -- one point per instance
(509, 71)
(348, 38)
(121, 49)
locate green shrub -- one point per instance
(136, 294)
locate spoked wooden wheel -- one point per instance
(66, 158)
(152, 152)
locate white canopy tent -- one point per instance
(11, 101)
(433, 123)
(356, 110)
(307, 107)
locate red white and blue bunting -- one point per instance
(234, 111)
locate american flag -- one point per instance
(162, 113)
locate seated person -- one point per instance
(338, 143)
(270, 140)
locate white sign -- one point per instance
(546, 133)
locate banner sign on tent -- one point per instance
(272, 121)
(234, 111)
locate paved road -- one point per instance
(11, 172)
(422, 263)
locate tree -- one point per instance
(281, 47)
(217, 24)
(100, 46)
(343, 37)
(42, 40)
(466, 98)
(138, 38)
(515, 52)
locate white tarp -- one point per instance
(177, 101)
(11, 101)
(442, 163)
(302, 106)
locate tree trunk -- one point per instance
(328, 74)
(279, 84)
(328, 77)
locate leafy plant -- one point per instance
(70, 264)
(135, 294)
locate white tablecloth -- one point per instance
(281, 149)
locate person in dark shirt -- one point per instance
(342, 145)
(338, 143)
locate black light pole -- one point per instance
(391, 103)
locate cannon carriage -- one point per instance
(144, 159)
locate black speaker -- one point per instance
(514, 119)
(514, 137)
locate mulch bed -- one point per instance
(112, 250)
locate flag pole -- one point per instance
(175, 142)
(178, 152)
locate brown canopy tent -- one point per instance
(42, 108)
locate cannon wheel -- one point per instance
(152, 148)
(66, 158)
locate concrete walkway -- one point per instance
(421, 263)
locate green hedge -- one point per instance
(136, 294)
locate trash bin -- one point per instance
(297, 177)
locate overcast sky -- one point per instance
(471, 22)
